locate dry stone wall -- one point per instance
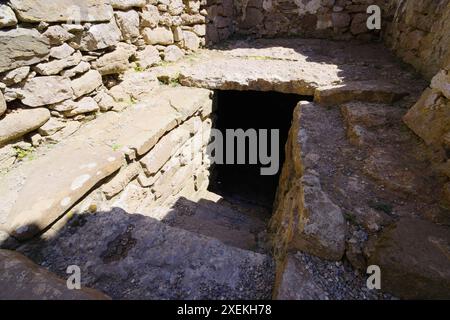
(64, 62)
(140, 158)
(336, 19)
(418, 32)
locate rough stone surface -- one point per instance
(62, 10)
(189, 266)
(2, 104)
(370, 91)
(322, 227)
(16, 76)
(86, 83)
(7, 16)
(414, 258)
(121, 180)
(137, 85)
(57, 35)
(128, 23)
(150, 16)
(75, 165)
(21, 47)
(148, 57)
(68, 172)
(318, 226)
(441, 82)
(42, 91)
(306, 277)
(116, 61)
(161, 153)
(16, 124)
(127, 4)
(56, 66)
(22, 279)
(371, 168)
(294, 66)
(51, 127)
(429, 118)
(105, 101)
(172, 53)
(61, 52)
(82, 67)
(159, 35)
(101, 36)
(190, 41)
(418, 34)
(85, 105)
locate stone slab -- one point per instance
(22, 279)
(22, 47)
(131, 256)
(62, 10)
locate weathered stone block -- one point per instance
(86, 83)
(20, 122)
(101, 36)
(159, 35)
(21, 47)
(22, 279)
(413, 257)
(429, 118)
(62, 10)
(2, 104)
(56, 66)
(116, 61)
(128, 22)
(7, 17)
(148, 57)
(41, 91)
(127, 4)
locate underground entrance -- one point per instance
(261, 118)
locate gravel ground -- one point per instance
(338, 280)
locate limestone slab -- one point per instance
(37, 193)
(101, 36)
(87, 83)
(22, 47)
(62, 10)
(20, 122)
(41, 91)
(22, 279)
(369, 91)
(414, 258)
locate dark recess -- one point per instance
(245, 110)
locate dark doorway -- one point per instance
(251, 110)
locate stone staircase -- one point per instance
(195, 250)
(230, 224)
(74, 205)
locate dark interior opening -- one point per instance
(251, 110)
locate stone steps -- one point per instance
(221, 221)
(131, 256)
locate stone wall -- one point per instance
(220, 20)
(146, 156)
(418, 32)
(63, 62)
(336, 19)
